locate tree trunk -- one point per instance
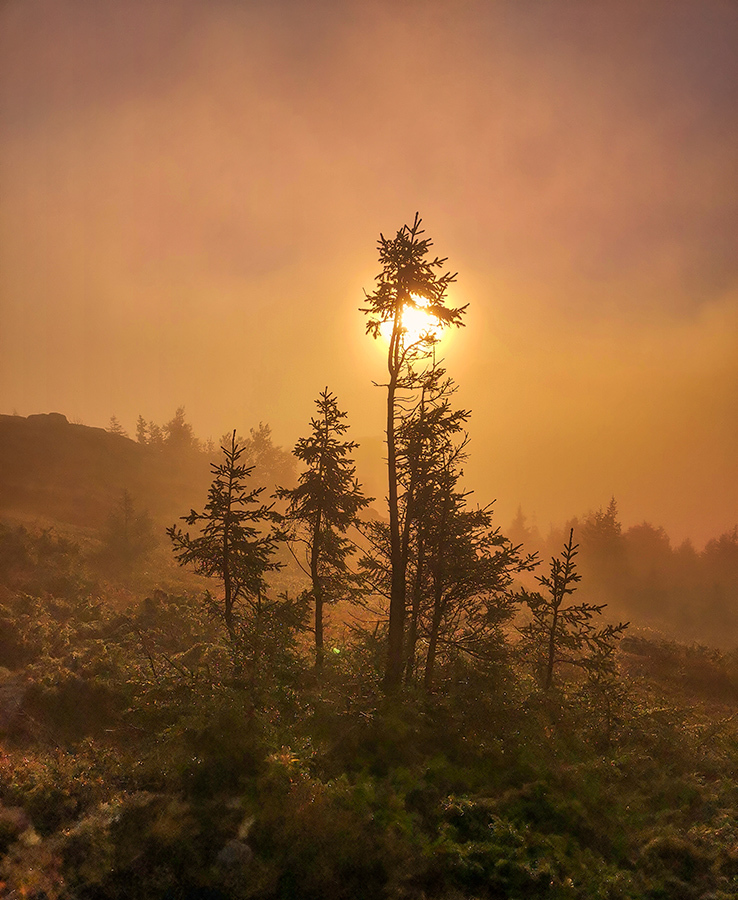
(412, 638)
(396, 629)
(229, 598)
(317, 595)
(430, 661)
(438, 585)
(256, 653)
(315, 550)
(551, 649)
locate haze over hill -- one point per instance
(71, 478)
(192, 195)
(205, 206)
(54, 472)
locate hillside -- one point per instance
(55, 472)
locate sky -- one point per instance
(191, 194)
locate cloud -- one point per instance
(193, 192)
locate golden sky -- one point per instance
(191, 193)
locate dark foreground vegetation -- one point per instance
(134, 765)
(326, 701)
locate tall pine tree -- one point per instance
(409, 280)
(322, 508)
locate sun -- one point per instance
(419, 326)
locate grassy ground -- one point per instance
(114, 784)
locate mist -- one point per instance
(192, 195)
(297, 601)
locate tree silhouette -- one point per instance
(563, 633)
(471, 570)
(458, 565)
(233, 545)
(430, 444)
(273, 465)
(128, 537)
(322, 508)
(179, 435)
(114, 427)
(149, 433)
(431, 448)
(409, 278)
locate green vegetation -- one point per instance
(169, 735)
(133, 765)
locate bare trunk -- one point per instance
(393, 672)
(229, 593)
(430, 661)
(317, 595)
(315, 551)
(412, 638)
(256, 652)
(551, 650)
(438, 584)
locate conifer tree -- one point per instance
(431, 445)
(409, 278)
(142, 430)
(128, 538)
(236, 543)
(322, 508)
(114, 427)
(273, 465)
(463, 565)
(458, 565)
(565, 633)
(472, 567)
(155, 436)
(180, 437)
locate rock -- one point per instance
(235, 854)
(53, 418)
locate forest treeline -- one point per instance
(678, 591)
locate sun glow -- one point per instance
(419, 326)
